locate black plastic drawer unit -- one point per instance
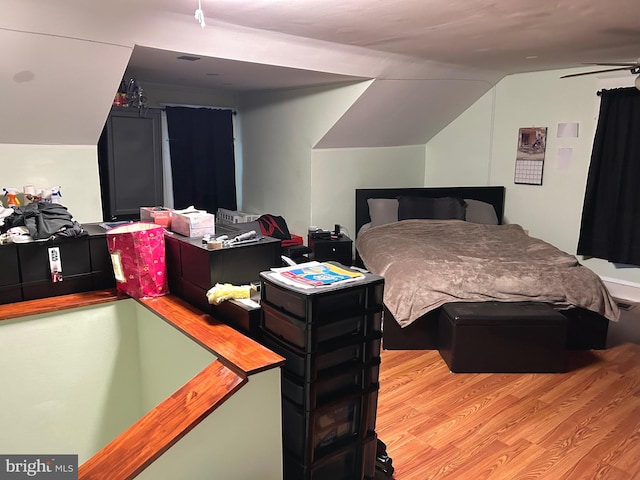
(333, 382)
(330, 338)
(370, 410)
(311, 434)
(358, 455)
(309, 336)
(357, 351)
(312, 304)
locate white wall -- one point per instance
(68, 58)
(277, 173)
(553, 210)
(285, 175)
(167, 358)
(279, 130)
(73, 381)
(336, 173)
(241, 440)
(70, 380)
(461, 155)
(465, 143)
(74, 168)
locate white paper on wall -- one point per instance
(564, 157)
(568, 130)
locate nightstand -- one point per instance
(336, 249)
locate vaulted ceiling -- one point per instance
(64, 58)
(508, 36)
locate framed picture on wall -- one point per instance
(532, 143)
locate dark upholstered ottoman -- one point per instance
(483, 337)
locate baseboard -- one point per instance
(623, 290)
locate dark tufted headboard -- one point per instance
(492, 195)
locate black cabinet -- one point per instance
(26, 270)
(336, 249)
(130, 162)
(330, 338)
(193, 268)
(37, 279)
(10, 288)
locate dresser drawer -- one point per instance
(340, 380)
(75, 258)
(354, 351)
(311, 434)
(47, 288)
(315, 304)
(339, 252)
(10, 294)
(10, 273)
(308, 336)
(338, 249)
(351, 461)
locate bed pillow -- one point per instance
(481, 212)
(383, 210)
(443, 208)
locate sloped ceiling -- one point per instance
(420, 108)
(429, 59)
(56, 98)
(511, 36)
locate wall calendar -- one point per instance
(532, 143)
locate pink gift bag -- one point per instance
(138, 257)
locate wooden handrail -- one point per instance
(54, 304)
(142, 443)
(235, 350)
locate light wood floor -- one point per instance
(583, 424)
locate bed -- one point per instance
(447, 244)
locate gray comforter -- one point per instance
(427, 263)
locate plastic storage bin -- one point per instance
(339, 380)
(312, 434)
(342, 464)
(330, 338)
(310, 335)
(311, 304)
(351, 351)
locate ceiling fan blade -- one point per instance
(615, 64)
(593, 72)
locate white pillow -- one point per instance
(383, 210)
(480, 212)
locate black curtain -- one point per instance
(610, 226)
(202, 158)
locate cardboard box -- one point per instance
(159, 215)
(233, 216)
(193, 224)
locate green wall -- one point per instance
(479, 147)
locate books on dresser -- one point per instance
(316, 274)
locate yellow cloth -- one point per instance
(224, 291)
